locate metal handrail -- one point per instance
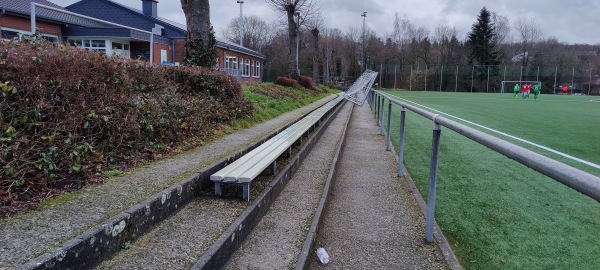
(579, 180)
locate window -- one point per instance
(246, 68)
(91, 44)
(256, 72)
(120, 48)
(231, 63)
(9, 33)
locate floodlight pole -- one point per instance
(241, 24)
(362, 49)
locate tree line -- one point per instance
(494, 45)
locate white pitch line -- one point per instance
(510, 136)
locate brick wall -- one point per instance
(24, 24)
(179, 50)
(143, 49)
(158, 48)
(241, 56)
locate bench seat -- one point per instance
(245, 169)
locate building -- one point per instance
(132, 36)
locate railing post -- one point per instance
(401, 144)
(435, 148)
(389, 127)
(381, 127)
(377, 108)
(372, 94)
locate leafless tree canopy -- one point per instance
(528, 34)
(306, 10)
(257, 32)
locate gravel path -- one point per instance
(372, 220)
(29, 235)
(277, 239)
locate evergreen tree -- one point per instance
(481, 40)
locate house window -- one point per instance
(231, 63)
(121, 49)
(9, 33)
(256, 72)
(246, 70)
(90, 44)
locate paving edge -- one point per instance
(101, 242)
(302, 261)
(221, 251)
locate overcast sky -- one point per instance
(573, 21)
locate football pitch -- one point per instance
(495, 212)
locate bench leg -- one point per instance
(246, 192)
(218, 190)
(273, 167)
(289, 152)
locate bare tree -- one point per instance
(315, 25)
(502, 26)
(446, 43)
(306, 10)
(200, 46)
(529, 33)
(257, 32)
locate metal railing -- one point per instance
(581, 181)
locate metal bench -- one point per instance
(245, 169)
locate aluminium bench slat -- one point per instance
(220, 175)
(254, 171)
(262, 156)
(274, 150)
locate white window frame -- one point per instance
(245, 67)
(256, 71)
(86, 43)
(231, 62)
(124, 50)
(24, 32)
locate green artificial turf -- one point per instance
(495, 212)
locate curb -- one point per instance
(219, 253)
(309, 243)
(101, 242)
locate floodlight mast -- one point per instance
(241, 23)
(362, 49)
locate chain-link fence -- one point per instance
(478, 78)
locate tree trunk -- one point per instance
(292, 36)
(315, 33)
(200, 48)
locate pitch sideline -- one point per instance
(594, 165)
